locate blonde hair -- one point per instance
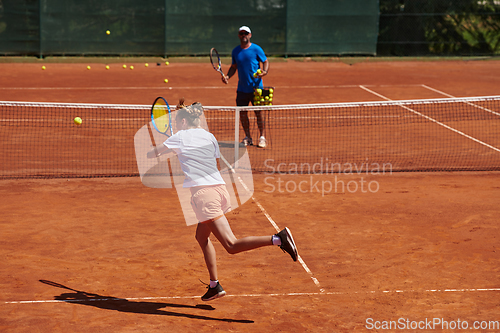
(191, 113)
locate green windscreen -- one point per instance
(340, 27)
(186, 27)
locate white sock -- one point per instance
(276, 240)
(213, 284)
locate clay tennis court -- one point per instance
(109, 254)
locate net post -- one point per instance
(236, 136)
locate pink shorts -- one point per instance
(210, 202)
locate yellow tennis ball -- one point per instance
(88, 67)
(259, 91)
(108, 32)
(43, 67)
(146, 64)
(271, 90)
(131, 67)
(78, 120)
(167, 63)
(124, 66)
(166, 80)
(107, 67)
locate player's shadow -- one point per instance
(141, 307)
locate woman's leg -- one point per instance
(203, 238)
(222, 231)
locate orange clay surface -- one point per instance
(111, 255)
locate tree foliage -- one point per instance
(439, 27)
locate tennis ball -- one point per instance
(146, 64)
(271, 90)
(257, 73)
(108, 32)
(166, 80)
(43, 67)
(124, 66)
(259, 91)
(107, 67)
(78, 120)
(88, 67)
(167, 63)
(131, 67)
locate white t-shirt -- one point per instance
(197, 151)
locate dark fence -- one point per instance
(281, 27)
(186, 27)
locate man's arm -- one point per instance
(230, 73)
(265, 68)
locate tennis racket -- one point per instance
(161, 117)
(215, 60)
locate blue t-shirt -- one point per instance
(247, 61)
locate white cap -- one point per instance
(245, 28)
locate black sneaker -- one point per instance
(287, 243)
(247, 141)
(213, 293)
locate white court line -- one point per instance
(316, 282)
(434, 121)
(339, 293)
(271, 220)
(112, 88)
(200, 87)
(438, 91)
(469, 103)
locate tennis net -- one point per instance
(40, 140)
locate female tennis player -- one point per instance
(198, 151)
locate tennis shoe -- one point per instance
(214, 293)
(262, 142)
(247, 141)
(287, 243)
